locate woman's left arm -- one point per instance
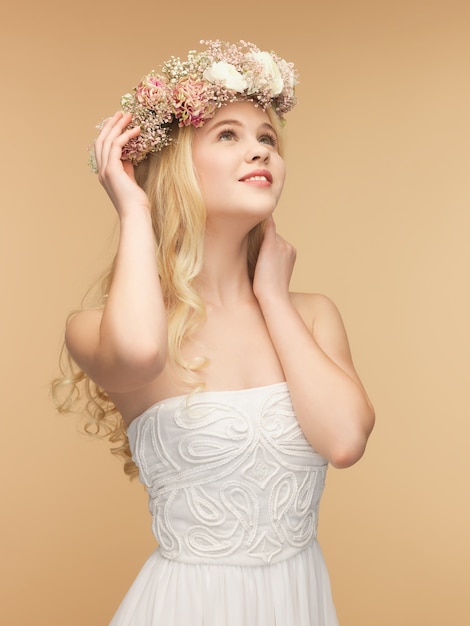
(308, 334)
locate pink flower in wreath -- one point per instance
(191, 102)
(151, 91)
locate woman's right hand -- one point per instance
(116, 175)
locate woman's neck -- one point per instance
(224, 278)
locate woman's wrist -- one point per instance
(274, 303)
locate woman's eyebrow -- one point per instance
(224, 122)
(264, 125)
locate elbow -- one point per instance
(349, 451)
(133, 370)
(346, 457)
(148, 363)
(145, 364)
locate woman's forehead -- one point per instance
(237, 112)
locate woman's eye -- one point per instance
(226, 135)
(270, 140)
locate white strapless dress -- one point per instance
(234, 489)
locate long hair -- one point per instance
(178, 219)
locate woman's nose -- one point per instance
(258, 152)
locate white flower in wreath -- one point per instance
(227, 75)
(271, 76)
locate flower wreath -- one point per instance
(189, 92)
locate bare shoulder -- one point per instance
(323, 319)
(82, 333)
(82, 328)
(315, 308)
(85, 316)
(130, 390)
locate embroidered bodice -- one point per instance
(230, 476)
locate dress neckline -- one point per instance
(204, 394)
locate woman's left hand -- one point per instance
(274, 266)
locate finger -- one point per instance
(269, 229)
(112, 128)
(106, 126)
(118, 120)
(270, 220)
(115, 144)
(98, 144)
(113, 137)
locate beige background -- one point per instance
(377, 203)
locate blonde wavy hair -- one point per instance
(178, 218)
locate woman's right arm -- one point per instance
(123, 346)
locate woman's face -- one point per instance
(238, 164)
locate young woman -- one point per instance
(233, 393)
